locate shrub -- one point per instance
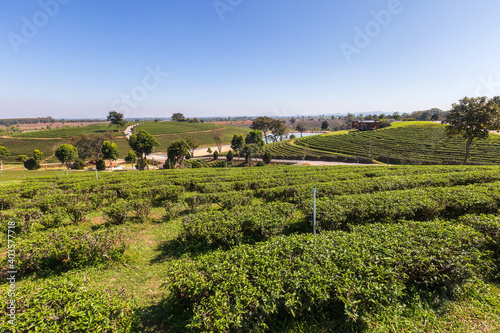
(267, 157)
(230, 156)
(100, 165)
(260, 164)
(141, 209)
(216, 155)
(68, 248)
(249, 288)
(78, 164)
(70, 306)
(22, 158)
(32, 164)
(118, 213)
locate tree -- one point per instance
(116, 118)
(324, 125)
(229, 156)
(293, 120)
(472, 118)
(177, 152)
(192, 144)
(143, 144)
(435, 117)
(32, 164)
(237, 142)
(110, 151)
(89, 146)
(131, 158)
(278, 129)
(4, 151)
(38, 155)
(218, 138)
(267, 157)
(249, 150)
(22, 158)
(66, 153)
(216, 155)
(255, 137)
(301, 128)
(209, 150)
(263, 124)
(178, 117)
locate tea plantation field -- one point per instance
(397, 249)
(408, 143)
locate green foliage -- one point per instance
(216, 155)
(260, 164)
(473, 118)
(32, 164)
(267, 157)
(255, 137)
(22, 158)
(143, 144)
(4, 151)
(230, 156)
(177, 152)
(79, 164)
(66, 305)
(118, 212)
(100, 165)
(38, 155)
(67, 248)
(116, 118)
(66, 153)
(110, 151)
(131, 157)
(237, 142)
(251, 288)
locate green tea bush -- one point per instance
(65, 305)
(141, 209)
(118, 212)
(67, 248)
(415, 204)
(249, 288)
(239, 225)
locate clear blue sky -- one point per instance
(254, 57)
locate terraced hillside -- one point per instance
(403, 143)
(398, 249)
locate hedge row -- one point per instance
(250, 288)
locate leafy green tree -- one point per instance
(131, 158)
(263, 124)
(324, 125)
(229, 156)
(255, 137)
(143, 144)
(216, 155)
(100, 165)
(32, 164)
(66, 153)
(192, 144)
(278, 129)
(38, 155)
(178, 117)
(293, 120)
(4, 151)
(249, 150)
(267, 157)
(435, 117)
(301, 128)
(89, 146)
(110, 151)
(177, 152)
(116, 118)
(209, 150)
(237, 142)
(472, 118)
(22, 158)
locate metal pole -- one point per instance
(314, 214)
(96, 176)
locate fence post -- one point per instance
(314, 213)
